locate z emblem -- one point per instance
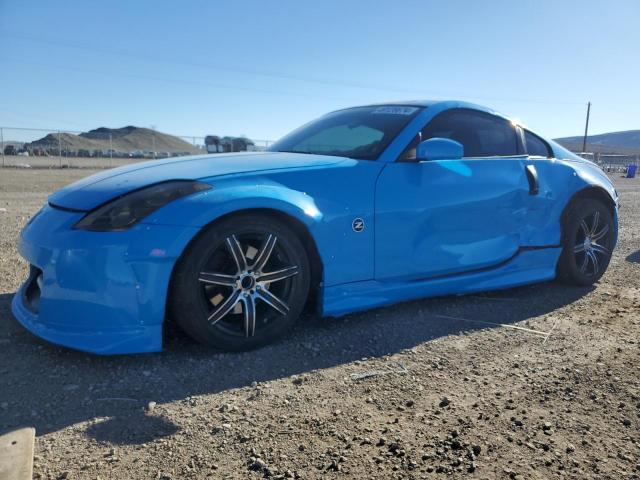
(357, 225)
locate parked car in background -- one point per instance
(215, 144)
(212, 144)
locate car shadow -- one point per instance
(51, 388)
(633, 257)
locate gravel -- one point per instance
(416, 390)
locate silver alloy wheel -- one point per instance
(250, 283)
(590, 244)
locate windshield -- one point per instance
(362, 132)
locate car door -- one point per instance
(445, 217)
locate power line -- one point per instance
(280, 75)
(170, 80)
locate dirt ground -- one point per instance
(418, 390)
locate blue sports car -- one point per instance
(363, 207)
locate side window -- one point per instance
(536, 147)
(481, 134)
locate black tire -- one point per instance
(587, 242)
(210, 259)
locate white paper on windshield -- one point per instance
(395, 110)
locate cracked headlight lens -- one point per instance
(124, 212)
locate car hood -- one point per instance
(92, 191)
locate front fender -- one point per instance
(226, 197)
(326, 201)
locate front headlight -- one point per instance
(124, 212)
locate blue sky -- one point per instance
(262, 68)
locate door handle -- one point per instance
(532, 178)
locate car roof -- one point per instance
(444, 104)
(412, 103)
(447, 104)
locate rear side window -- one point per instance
(536, 147)
(481, 134)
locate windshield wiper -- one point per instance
(294, 151)
(330, 154)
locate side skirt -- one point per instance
(528, 266)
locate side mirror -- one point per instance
(439, 149)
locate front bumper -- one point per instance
(99, 292)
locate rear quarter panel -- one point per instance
(559, 181)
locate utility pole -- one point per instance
(586, 129)
(110, 150)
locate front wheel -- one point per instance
(587, 243)
(241, 284)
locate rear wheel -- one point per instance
(587, 243)
(241, 284)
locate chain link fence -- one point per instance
(612, 162)
(617, 163)
(106, 148)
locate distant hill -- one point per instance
(126, 139)
(625, 143)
